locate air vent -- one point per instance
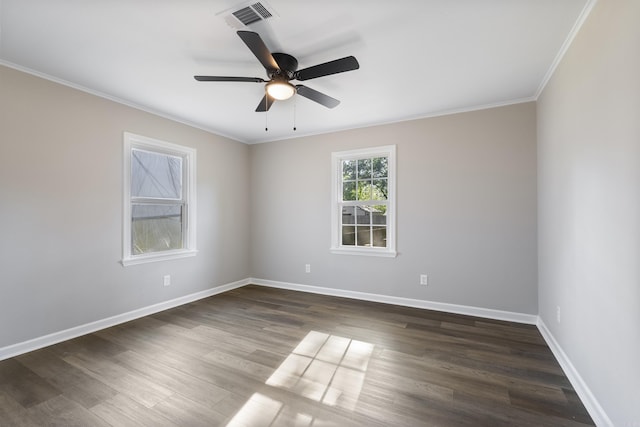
(247, 13)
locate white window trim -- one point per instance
(132, 141)
(336, 197)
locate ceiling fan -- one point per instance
(281, 69)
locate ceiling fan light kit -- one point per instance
(280, 90)
(281, 68)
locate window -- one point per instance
(363, 202)
(159, 200)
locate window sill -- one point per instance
(385, 253)
(159, 256)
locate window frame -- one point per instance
(188, 156)
(337, 203)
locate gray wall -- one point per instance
(466, 210)
(589, 206)
(61, 210)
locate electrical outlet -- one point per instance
(307, 268)
(558, 314)
(167, 280)
(424, 280)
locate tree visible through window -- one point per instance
(363, 198)
(365, 183)
(159, 200)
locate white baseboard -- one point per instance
(487, 313)
(67, 334)
(589, 401)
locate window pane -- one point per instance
(363, 216)
(378, 215)
(379, 190)
(348, 170)
(348, 215)
(156, 175)
(364, 236)
(380, 237)
(156, 228)
(349, 190)
(380, 167)
(364, 168)
(349, 236)
(364, 190)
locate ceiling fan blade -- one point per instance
(316, 96)
(256, 45)
(341, 65)
(265, 104)
(228, 79)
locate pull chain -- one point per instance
(294, 113)
(266, 111)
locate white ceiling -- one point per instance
(417, 58)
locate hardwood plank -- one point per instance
(172, 379)
(60, 411)
(24, 385)
(74, 384)
(120, 410)
(121, 379)
(185, 412)
(12, 413)
(266, 358)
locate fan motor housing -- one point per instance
(287, 63)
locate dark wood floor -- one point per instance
(266, 357)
